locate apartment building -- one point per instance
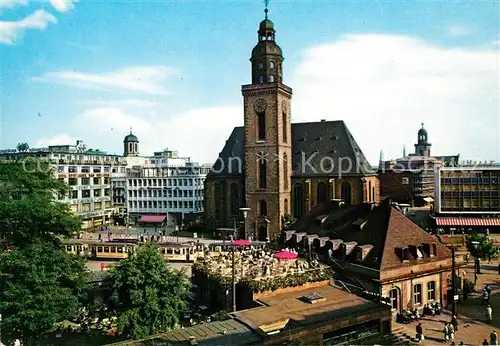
(87, 172)
(165, 185)
(468, 196)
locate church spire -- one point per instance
(404, 150)
(266, 3)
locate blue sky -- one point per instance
(173, 72)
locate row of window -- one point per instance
(75, 194)
(198, 205)
(86, 181)
(417, 294)
(480, 180)
(166, 182)
(484, 194)
(83, 169)
(166, 193)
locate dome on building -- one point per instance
(266, 25)
(422, 131)
(131, 137)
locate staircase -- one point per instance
(399, 337)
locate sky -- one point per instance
(172, 71)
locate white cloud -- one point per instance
(11, 31)
(140, 103)
(384, 86)
(63, 5)
(142, 79)
(460, 30)
(59, 139)
(12, 3)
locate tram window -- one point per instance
(68, 248)
(170, 251)
(177, 251)
(79, 248)
(106, 249)
(99, 249)
(120, 249)
(113, 248)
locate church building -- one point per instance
(276, 168)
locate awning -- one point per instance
(457, 221)
(428, 199)
(152, 218)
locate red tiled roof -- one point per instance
(458, 221)
(152, 218)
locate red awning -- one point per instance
(285, 255)
(458, 221)
(152, 218)
(241, 242)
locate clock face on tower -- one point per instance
(260, 105)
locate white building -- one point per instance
(165, 185)
(87, 172)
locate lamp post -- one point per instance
(234, 282)
(475, 245)
(453, 283)
(245, 211)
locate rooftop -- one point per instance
(292, 309)
(228, 332)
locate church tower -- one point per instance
(130, 145)
(423, 147)
(268, 138)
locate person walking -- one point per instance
(446, 332)
(494, 338)
(420, 333)
(489, 313)
(486, 297)
(454, 322)
(451, 332)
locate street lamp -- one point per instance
(245, 214)
(475, 246)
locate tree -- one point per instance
(22, 147)
(40, 285)
(28, 208)
(146, 295)
(288, 220)
(480, 246)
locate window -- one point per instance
(271, 64)
(417, 294)
(322, 193)
(286, 206)
(405, 181)
(433, 249)
(359, 255)
(262, 173)
(261, 79)
(431, 290)
(261, 66)
(346, 192)
(406, 254)
(370, 191)
(271, 79)
(85, 181)
(261, 126)
(298, 200)
(286, 176)
(393, 295)
(285, 125)
(235, 199)
(218, 201)
(263, 208)
(420, 255)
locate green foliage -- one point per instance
(22, 147)
(40, 285)
(28, 209)
(480, 246)
(288, 220)
(147, 296)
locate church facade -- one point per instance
(276, 168)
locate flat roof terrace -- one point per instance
(291, 307)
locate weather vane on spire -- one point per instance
(266, 3)
(130, 130)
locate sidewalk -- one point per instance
(470, 332)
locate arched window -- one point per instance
(286, 206)
(370, 197)
(271, 64)
(218, 200)
(261, 124)
(286, 176)
(285, 126)
(261, 79)
(346, 192)
(321, 193)
(298, 200)
(271, 79)
(235, 199)
(262, 172)
(373, 194)
(261, 66)
(263, 207)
